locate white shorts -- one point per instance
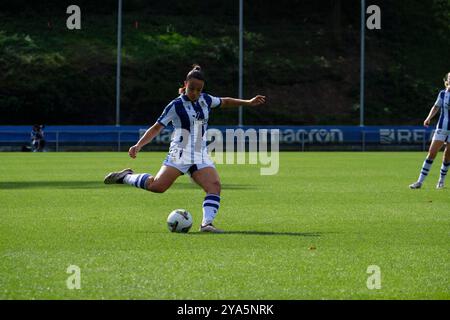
(188, 168)
(441, 135)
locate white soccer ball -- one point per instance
(179, 220)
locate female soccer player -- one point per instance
(189, 114)
(440, 137)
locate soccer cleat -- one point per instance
(415, 185)
(210, 228)
(440, 185)
(117, 177)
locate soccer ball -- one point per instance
(179, 220)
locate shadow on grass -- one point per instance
(5, 185)
(70, 184)
(225, 186)
(265, 233)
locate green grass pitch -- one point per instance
(310, 232)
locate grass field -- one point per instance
(309, 232)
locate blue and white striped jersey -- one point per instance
(190, 121)
(443, 103)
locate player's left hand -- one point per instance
(257, 100)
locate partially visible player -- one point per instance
(189, 114)
(445, 166)
(441, 137)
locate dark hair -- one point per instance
(446, 81)
(195, 73)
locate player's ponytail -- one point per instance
(195, 73)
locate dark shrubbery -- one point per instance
(302, 55)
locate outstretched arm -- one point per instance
(148, 136)
(432, 113)
(232, 102)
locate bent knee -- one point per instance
(157, 188)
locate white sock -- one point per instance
(444, 170)
(211, 206)
(138, 180)
(425, 169)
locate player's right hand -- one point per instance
(426, 123)
(133, 151)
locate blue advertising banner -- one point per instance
(289, 135)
